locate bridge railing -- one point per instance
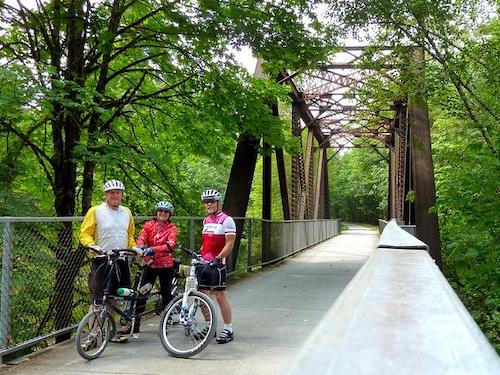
(44, 289)
(398, 315)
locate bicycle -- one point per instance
(98, 327)
(189, 321)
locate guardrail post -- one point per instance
(6, 283)
(266, 240)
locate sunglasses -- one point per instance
(162, 210)
(209, 201)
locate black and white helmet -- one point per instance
(210, 194)
(113, 185)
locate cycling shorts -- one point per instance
(211, 278)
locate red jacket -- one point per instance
(161, 237)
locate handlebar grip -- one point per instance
(94, 250)
(127, 251)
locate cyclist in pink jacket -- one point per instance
(158, 239)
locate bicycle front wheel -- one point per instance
(93, 333)
(187, 330)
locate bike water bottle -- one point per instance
(124, 292)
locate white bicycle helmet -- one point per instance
(113, 185)
(210, 194)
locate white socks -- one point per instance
(229, 327)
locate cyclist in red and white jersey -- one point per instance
(218, 237)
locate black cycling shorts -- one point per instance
(98, 277)
(211, 278)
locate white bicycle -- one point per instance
(189, 321)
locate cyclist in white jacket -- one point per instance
(108, 226)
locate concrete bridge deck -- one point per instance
(274, 312)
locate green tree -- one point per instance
(129, 89)
(461, 42)
(358, 186)
(98, 70)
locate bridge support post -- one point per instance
(280, 166)
(298, 184)
(325, 196)
(280, 162)
(239, 186)
(308, 201)
(422, 167)
(266, 203)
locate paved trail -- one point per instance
(274, 311)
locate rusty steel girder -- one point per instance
(330, 97)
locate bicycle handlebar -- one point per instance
(192, 253)
(113, 252)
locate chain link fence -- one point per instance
(44, 289)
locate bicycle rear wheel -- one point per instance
(93, 333)
(185, 339)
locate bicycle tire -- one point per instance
(186, 340)
(94, 333)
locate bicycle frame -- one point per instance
(98, 327)
(190, 286)
(129, 313)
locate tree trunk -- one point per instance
(66, 135)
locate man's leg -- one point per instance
(204, 309)
(225, 307)
(120, 278)
(225, 310)
(97, 281)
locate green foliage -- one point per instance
(135, 92)
(462, 48)
(358, 186)
(255, 203)
(465, 143)
(467, 184)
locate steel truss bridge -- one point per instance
(328, 104)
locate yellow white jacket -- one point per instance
(108, 228)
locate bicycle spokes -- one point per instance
(93, 334)
(184, 329)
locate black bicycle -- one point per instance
(98, 327)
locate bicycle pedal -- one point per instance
(145, 288)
